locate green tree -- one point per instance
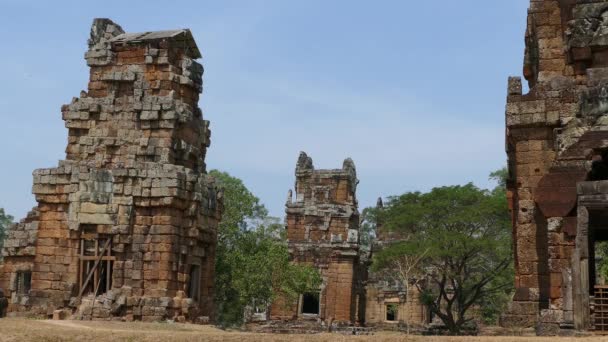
(242, 209)
(601, 255)
(460, 235)
(5, 222)
(500, 176)
(252, 260)
(367, 229)
(494, 304)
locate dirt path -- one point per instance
(70, 324)
(132, 328)
(17, 329)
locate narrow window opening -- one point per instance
(391, 312)
(23, 282)
(259, 306)
(194, 286)
(310, 303)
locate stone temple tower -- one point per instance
(126, 225)
(323, 231)
(557, 146)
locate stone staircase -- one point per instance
(354, 330)
(306, 327)
(288, 327)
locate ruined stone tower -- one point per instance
(557, 144)
(323, 231)
(126, 225)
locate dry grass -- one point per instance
(12, 329)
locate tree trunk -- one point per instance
(407, 298)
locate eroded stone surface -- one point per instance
(322, 231)
(135, 176)
(554, 135)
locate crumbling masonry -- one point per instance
(323, 231)
(126, 225)
(557, 145)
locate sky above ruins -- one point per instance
(413, 91)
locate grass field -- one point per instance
(12, 329)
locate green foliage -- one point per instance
(5, 222)
(601, 255)
(367, 228)
(500, 176)
(392, 309)
(493, 305)
(252, 260)
(241, 207)
(465, 237)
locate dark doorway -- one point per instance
(598, 249)
(598, 267)
(310, 303)
(599, 166)
(194, 287)
(391, 312)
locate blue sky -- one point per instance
(413, 91)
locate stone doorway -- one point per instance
(96, 264)
(310, 304)
(598, 287)
(590, 292)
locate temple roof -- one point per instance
(181, 36)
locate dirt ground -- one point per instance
(14, 329)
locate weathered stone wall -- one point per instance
(322, 230)
(554, 133)
(134, 175)
(19, 252)
(409, 309)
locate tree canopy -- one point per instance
(252, 260)
(463, 239)
(367, 229)
(5, 221)
(500, 176)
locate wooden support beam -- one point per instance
(93, 258)
(92, 271)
